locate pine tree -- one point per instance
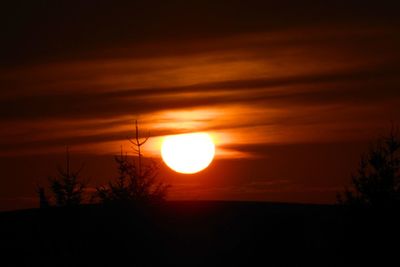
(377, 182)
(137, 182)
(67, 188)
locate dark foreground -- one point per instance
(200, 234)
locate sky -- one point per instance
(292, 93)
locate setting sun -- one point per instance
(188, 153)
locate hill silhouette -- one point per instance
(198, 233)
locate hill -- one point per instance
(198, 233)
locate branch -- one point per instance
(145, 140)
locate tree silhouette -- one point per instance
(67, 188)
(377, 182)
(137, 182)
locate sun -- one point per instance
(188, 153)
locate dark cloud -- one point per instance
(370, 85)
(48, 30)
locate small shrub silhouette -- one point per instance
(136, 182)
(43, 199)
(377, 182)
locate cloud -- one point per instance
(277, 82)
(353, 86)
(71, 29)
(287, 91)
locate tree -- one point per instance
(377, 182)
(67, 188)
(137, 182)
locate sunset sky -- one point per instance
(291, 93)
